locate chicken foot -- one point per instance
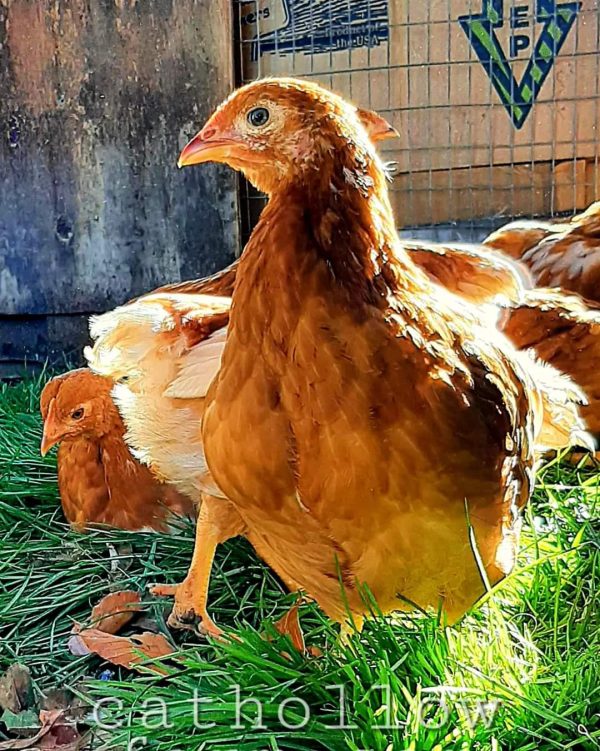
(218, 521)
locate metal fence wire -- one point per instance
(496, 102)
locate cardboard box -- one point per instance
(475, 88)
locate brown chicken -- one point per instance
(157, 348)
(99, 480)
(471, 272)
(468, 271)
(342, 361)
(565, 254)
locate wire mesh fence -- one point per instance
(496, 102)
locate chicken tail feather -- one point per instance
(560, 424)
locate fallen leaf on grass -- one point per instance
(120, 650)
(16, 692)
(115, 611)
(54, 735)
(289, 625)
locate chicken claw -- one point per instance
(163, 590)
(217, 521)
(193, 618)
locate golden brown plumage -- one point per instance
(99, 480)
(373, 418)
(164, 348)
(564, 254)
(220, 284)
(470, 271)
(564, 330)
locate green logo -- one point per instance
(556, 18)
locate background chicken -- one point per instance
(470, 271)
(564, 330)
(99, 480)
(342, 362)
(565, 254)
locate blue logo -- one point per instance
(311, 26)
(557, 19)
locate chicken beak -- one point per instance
(377, 126)
(389, 132)
(51, 435)
(381, 130)
(204, 147)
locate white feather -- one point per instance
(198, 368)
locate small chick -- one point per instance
(99, 480)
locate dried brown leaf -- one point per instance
(289, 625)
(16, 693)
(120, 650)
(115, 611)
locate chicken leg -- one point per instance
(218, 521)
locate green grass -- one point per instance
(531, 651)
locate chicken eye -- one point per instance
(77, 414)
(258, 117)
